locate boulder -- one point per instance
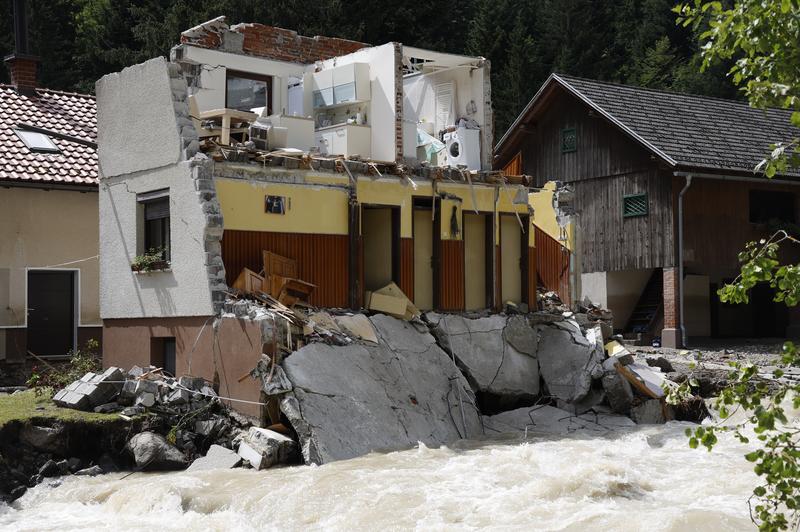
(151, 451)
(350, 400)
(497, 353)
(618, 392)
(550, 420)
(264, 448)
(49, 469)
(44, 439)
(649, 412)
(568, 361)
(217, 457)
(90, 471)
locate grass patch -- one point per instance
(26, 406)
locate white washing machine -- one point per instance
(463, 146)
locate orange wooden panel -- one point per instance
(514, 166)
(406, 280)
(321, 259)
(552, 262)
(451, 275)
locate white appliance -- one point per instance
(463, 146)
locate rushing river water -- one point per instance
(646, 479)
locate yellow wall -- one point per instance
(423, 252)
(510, 248)
(309, 208)
(475, 261)
(46, 228)
(376, 229)
(545, 214)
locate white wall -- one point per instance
(593, 286)
(211, 93)
(381, 115)
(183, 291)
(125, 122)
(419, 100)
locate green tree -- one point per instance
(762, 38)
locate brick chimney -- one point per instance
(21, 64)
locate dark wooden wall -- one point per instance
(321, 259)
(717, 223)
(606, 165)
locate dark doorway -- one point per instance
(162, 354)
(51, 312)
(769, 318)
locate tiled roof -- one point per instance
(691, 130)
(63, 112)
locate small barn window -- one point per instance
(768, 206)
(634, 205)
(569, 140)
(155, 210)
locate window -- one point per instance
(769, 206)
(156, 221)
(634, 205)
(38, 142)
(275, 205)
(569, 140)
(245, 91)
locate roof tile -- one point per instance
(68, 113)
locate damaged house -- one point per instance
(351, 175)
(665, 197)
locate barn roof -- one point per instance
(681, 129)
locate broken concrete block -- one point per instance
(71, 399)
(107, 408)
(648, 382)
(568, 361)
(207, 392)
(408, 391)
(649, 412)
(616, 350)
(498, 354)
(357, 325)
(178, 397)
(127, 395)
(146, 399)
(151, 451)
(618, 391)
(191, 383)
(217, 457)
(265, 448)
(550, 420)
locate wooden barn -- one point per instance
(665, 199)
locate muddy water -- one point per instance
(647, 479)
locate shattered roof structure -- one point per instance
(681, 129)
(64, 113)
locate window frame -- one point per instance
(564, 147)
(268, 80)
(627, 197)
(164, 226)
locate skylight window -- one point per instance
(38, 142)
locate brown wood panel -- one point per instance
(514, 166)
(406, 280)
(451, 275)
(498, 285)
(532, 278)
(321, 259)
(552, 264)
(717, 223)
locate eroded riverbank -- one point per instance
(644, 478)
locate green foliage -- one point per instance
(148, 261)
(22, 407)
(45, 381)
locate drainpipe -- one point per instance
(684, 338)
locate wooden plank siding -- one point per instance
(451, 275)
(552, 261)
(406, 281)
(605, 166)
(321, 259)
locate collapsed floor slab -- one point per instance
(350, 400)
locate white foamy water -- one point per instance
(647, 479)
